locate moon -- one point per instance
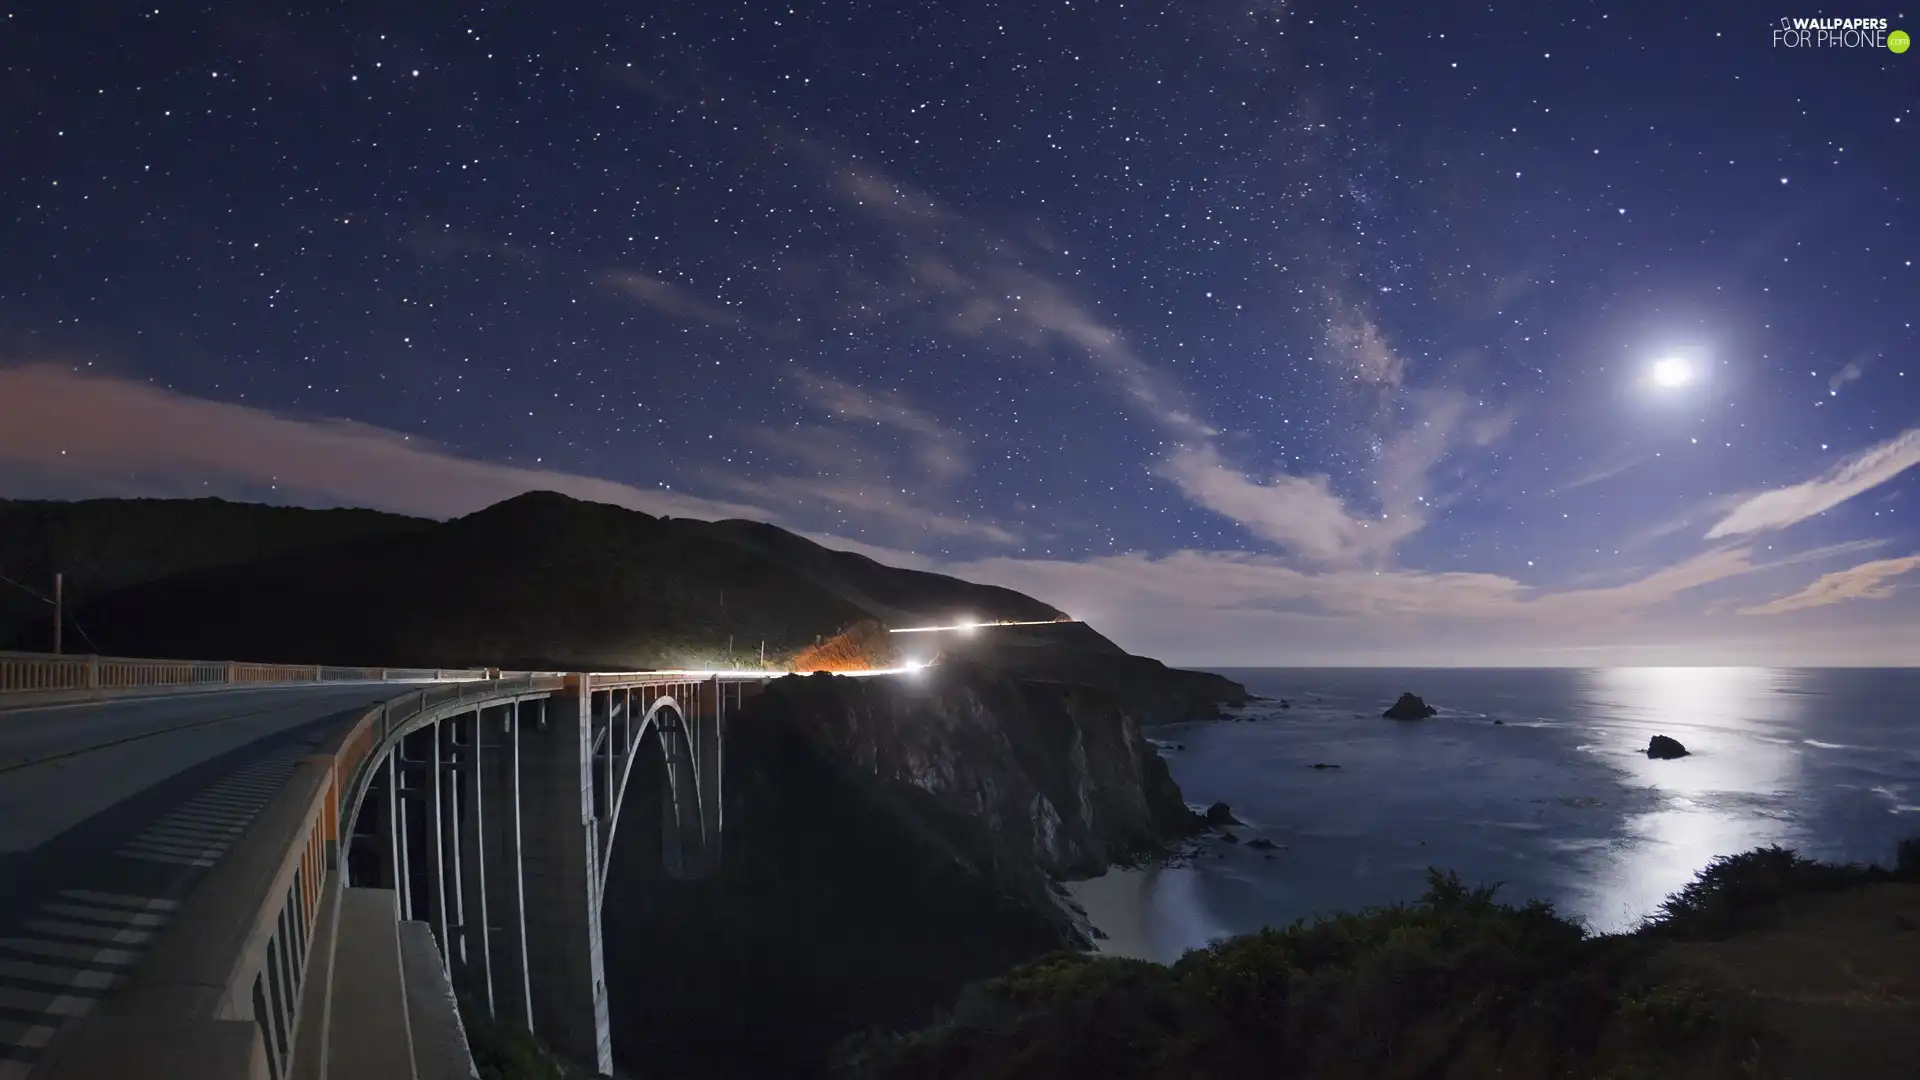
(1672, 372)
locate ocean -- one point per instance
(1533, 778)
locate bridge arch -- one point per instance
(492, 818)
(662, 729)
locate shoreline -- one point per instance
(1114, 905)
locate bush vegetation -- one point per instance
(504, 1052)
(1455, 984)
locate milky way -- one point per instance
(1255, 332)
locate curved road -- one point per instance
(110, 811)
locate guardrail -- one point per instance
(45, 672)
(239, 951)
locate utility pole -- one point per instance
(59, 604)
(763, 652)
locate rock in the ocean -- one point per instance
(1499, 723)
(1221, 814)
(1262, 843)
(1409, 707)
(1285, 704)
(1228, 836)
(1661, 746)
(1322, 765)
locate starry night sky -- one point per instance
(1254, 332)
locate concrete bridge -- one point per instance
(283, 871)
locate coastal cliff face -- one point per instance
(888, 842)
(1055, 776)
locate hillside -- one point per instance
(103, 545)
(541, 580)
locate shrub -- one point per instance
(1732, 888)
(504, 1052)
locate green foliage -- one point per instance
(1345, 993)
(1733, 888)
(504, 1052)
(1674, 1012)
(1453, 984)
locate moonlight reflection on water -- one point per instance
(1557, 801)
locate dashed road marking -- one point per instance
(79, 947)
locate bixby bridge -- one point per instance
(246, 870)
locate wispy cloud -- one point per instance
(1849, 371)
(1356, 339)
(942, 453)
(1301, 514)
(982, 283)
(862, 505)
(90, 428)
(1868, 581)
(1134, 592)
(1782, 507)
(1600, 474)
(670, 299)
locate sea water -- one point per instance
(1535, 779)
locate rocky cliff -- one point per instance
(888, 841)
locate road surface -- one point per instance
(110, 812)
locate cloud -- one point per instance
(1300, 514)
(1357, 339)
(1848, 372)
(1601, 473)
(138, 437)
(670, 299)
(1194, 589)
(869, 503)
(847, 469)
(1782, 507)
(983, 284)
(942, 453)
(1868, 581)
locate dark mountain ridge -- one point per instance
(540, 580)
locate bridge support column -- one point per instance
(506, 931)
(475, 975)
(559, 861)
(709, 739)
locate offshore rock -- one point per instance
(1409, 707)
(1220, 814)
(1661, 748)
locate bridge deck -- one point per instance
(110, 811)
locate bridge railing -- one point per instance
(47, 672)
(239, 948)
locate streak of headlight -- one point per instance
(972, 625)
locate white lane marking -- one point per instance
(190, 851)
(39, 1001)
(60, 929)
(225, 820)
(207, 833)
(69, 992)
(68, 951)
(88, 896)
(130, 918)
(80, 979)
(154, 856)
